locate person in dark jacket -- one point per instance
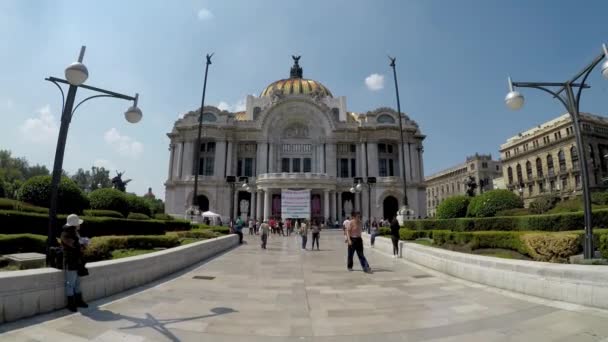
(395, 236)
(73, 261)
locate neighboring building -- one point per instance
(499, 183)
(452, 181)
(544, 159)
(295, 135)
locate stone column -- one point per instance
(252, 204)
(229, 147)
(180, 167)
(171, 160)
(220, 157)
(323, 158)
(272, 158)
(326, 212)
(260, 206)
(331, 159)
(420, 164)
(372, 159)
(235, 200)
(364, 162)
(332, 206)
(357, 204)
(266, 204)
(188, 159)
(339, 199)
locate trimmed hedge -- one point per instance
(543, 204)
(15, 222)
(37, 191)
(101, 248)
(218, 229)
(109, 199)
(138, 205)
(22, 243)
(551, 222)
(163, 217)
(10, 204)
(103, 213)
(556, 247)
(603, 245)
(600, 198)
(138, 216)
(196, 234)
(384, 231)
(2, 188)
(514, 212)
(453, 207)
(493, 201)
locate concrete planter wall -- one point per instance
(578, 284)
(30, 292)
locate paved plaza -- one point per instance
(286, 294)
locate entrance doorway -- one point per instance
(243, 208)
(348, 204)
(203, 203)
(390, 207)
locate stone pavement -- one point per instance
(286, 294)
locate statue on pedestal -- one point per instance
(244, 209)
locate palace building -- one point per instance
(296, 135)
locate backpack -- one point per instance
(55, 257)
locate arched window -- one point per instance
(385, 118)
(208, 117)
(529, 170)
(574, 157)
(561, 158)
(539, 168)
(550, 165)
(592, 156)
(510, 175)
(520, 178)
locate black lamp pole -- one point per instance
(197, 162)
(66, 117)
(392, 59)
(572, 104)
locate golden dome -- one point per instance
(297, 86)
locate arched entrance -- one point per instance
(203, 203)
(390, 207)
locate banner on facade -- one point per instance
(295, 204)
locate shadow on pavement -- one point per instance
(159, 325)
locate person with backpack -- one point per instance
(73, 262)
(395, 236)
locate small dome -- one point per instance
(295, 84)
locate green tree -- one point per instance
(15, 171)
(97, 178)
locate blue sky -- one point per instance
(453, 58)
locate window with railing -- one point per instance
(510, 175)
(520, 177)
(550, 167)
(574, 157)
(207, 159)
(561, 159)
(529, 170)
(539, 168)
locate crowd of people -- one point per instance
(280, 227)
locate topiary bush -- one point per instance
(490, 202)
(513, 212)
(138, 216)
(103, 213)
(568, 206)
(37, 191)
(138, 205)
(408, 234)
(453, 207)
(109, 199)
(543, 204)
(10, 204)
(101, 248)
(384, 231)
(22, 243)
(553, 247)
(603, 245)
(163, 217)
(599, 198)
(2, 189)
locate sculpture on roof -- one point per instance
(296, 70)
(118, 183)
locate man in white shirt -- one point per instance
(345, 226)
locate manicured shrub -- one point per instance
(163, 217)
(384, 231)
(10, 204)
(553, 247)
(453, 207)
(138, 216)
(196, 234)
(490, 202)
(37, 191)
(109, 199)
(513, 212)
(543, 204)
(600, 198)
(603, 245)
(101, 248)
(568, 206)
(218, 229)
(22, 243)
(408, 234)
(176, 225)
(138, 205)
(2, 189)
(103, 213)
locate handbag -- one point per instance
(83, 271)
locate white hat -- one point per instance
(73, 220)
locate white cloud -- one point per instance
(124, 145)
(239, 106)
(106, 164)
(42, 129)
(374, 82)
(204, 14)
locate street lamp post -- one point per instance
(197, 162)
(392, 64)
(358, 188)
(515, 101)
(76, 74)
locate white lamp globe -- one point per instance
(605, 69)
(352, 189)
(514, 100)
(133, 114)
(244, 186)
(359, 187)
(76, 73)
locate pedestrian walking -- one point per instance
(316, 230)
(355, 244)
(374, 232)
(288, 226)
(304, 234)
(73, 261)
(264, 231)
(345, 226)
(281, 232)
(251, 227)
(395, 236)
(239, 229)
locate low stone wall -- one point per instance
(30, 292)
(578, 284)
